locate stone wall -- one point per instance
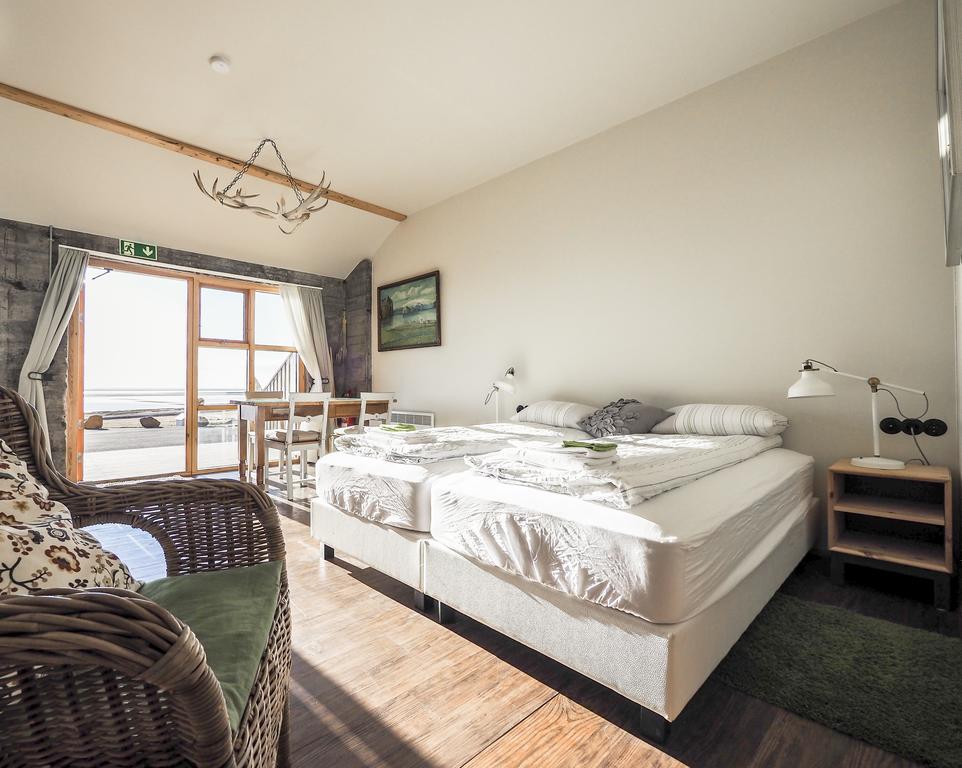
(25, 260)
(24, 271)
(357, 300)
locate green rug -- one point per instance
(893, 686)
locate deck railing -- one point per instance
(285, 379)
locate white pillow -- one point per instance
(555, 413)
(710, 419)
(39, 547)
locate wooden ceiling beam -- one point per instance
(165, 142)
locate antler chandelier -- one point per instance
(238, 200)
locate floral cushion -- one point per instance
(39, 546)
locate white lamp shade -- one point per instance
(810, 385)
(504, 386)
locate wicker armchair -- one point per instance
(106, 676)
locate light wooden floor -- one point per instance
(378, 684)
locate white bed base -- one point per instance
(393, 551)
(659, 666)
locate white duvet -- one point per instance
(440, 443)
(646, 466)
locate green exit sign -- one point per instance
(138, 250)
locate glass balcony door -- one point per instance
(134, 375)
(157, 356)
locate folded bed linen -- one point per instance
(440, 443)
(646, 466)
(665, 559)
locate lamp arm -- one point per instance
(901, 388)
(879, 383)
(867, 379)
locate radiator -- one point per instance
(418, 418)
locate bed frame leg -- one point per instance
(423, 602)
(327, 552)
(445, 613)
(654, 727)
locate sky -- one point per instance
(421, 291)
(136, 333)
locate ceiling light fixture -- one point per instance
(220, 64)
(237, 200)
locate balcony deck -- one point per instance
(129, 450)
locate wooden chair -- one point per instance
(365, 417)
(252, 436)
(107, 677)
(293, 440)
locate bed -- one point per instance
(640, 573)
(664, 588)
(375, 505)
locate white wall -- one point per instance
(699, 252)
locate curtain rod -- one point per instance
(183, 268)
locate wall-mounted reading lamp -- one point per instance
(497, 387)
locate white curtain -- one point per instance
(58, 303)
(305, 311)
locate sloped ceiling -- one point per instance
(403, 103)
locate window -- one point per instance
(276, 371)
(221, 375)
(245, 344)
(222, 314)
(216, 439)
(271, 327)
(172, 349)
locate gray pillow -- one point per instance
(623, 417)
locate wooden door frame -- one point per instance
(195, 281)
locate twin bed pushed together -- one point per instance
(631, 544)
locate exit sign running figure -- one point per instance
(138, 250)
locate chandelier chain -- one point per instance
(250, 162)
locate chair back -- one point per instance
(256, 394)
(20, 429)
(294, 419)
(369, 397)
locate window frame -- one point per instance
(195, 283)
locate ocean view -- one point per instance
(127, 401)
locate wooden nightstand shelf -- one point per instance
(899, 520)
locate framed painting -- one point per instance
(409, 313)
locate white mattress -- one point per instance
(399, 494)
(664, 560)
(392, 494)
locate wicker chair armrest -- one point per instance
(130, 640)
(201, 525)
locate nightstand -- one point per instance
(899, 520)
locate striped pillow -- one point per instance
(708, 419)
(555, 413)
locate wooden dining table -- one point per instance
(261, 411)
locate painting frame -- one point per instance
(384, 293)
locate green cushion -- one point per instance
(231, 613)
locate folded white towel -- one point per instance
(567, 460)
(378, 436)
